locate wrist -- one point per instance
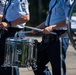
(9, 24)
(53, 27)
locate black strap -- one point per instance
(66, 0)
(51, 11)
(20, 0)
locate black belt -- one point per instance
(13, 28)
(47, 38)
(59, 32)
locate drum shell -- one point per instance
(20, 52)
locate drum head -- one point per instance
(71, 24)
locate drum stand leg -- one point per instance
(12, 70)
(16, 70)
(61, 55)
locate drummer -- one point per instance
(14, 19)
(53, 47)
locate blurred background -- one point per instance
(38, 10)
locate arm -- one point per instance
(48, 29)
(1, 16)
(61, 24)
(20, 20)
(42, 25)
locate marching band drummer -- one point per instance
(14, 18)
(53, 47)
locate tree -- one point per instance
(37, 11)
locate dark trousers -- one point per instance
(9, 33)
(8, 71)
(52, 54)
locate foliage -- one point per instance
(37, 10)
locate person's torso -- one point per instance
(59, 11)
(15, 10)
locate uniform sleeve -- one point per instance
(25, 6)
(17, 10)
(22, 7)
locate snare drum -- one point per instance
(20, 52)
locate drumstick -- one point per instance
(34, 28)
(41, 30)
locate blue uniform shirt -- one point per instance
(17, 9)
(59, 11)
(2, 4)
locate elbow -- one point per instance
(27, 18)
